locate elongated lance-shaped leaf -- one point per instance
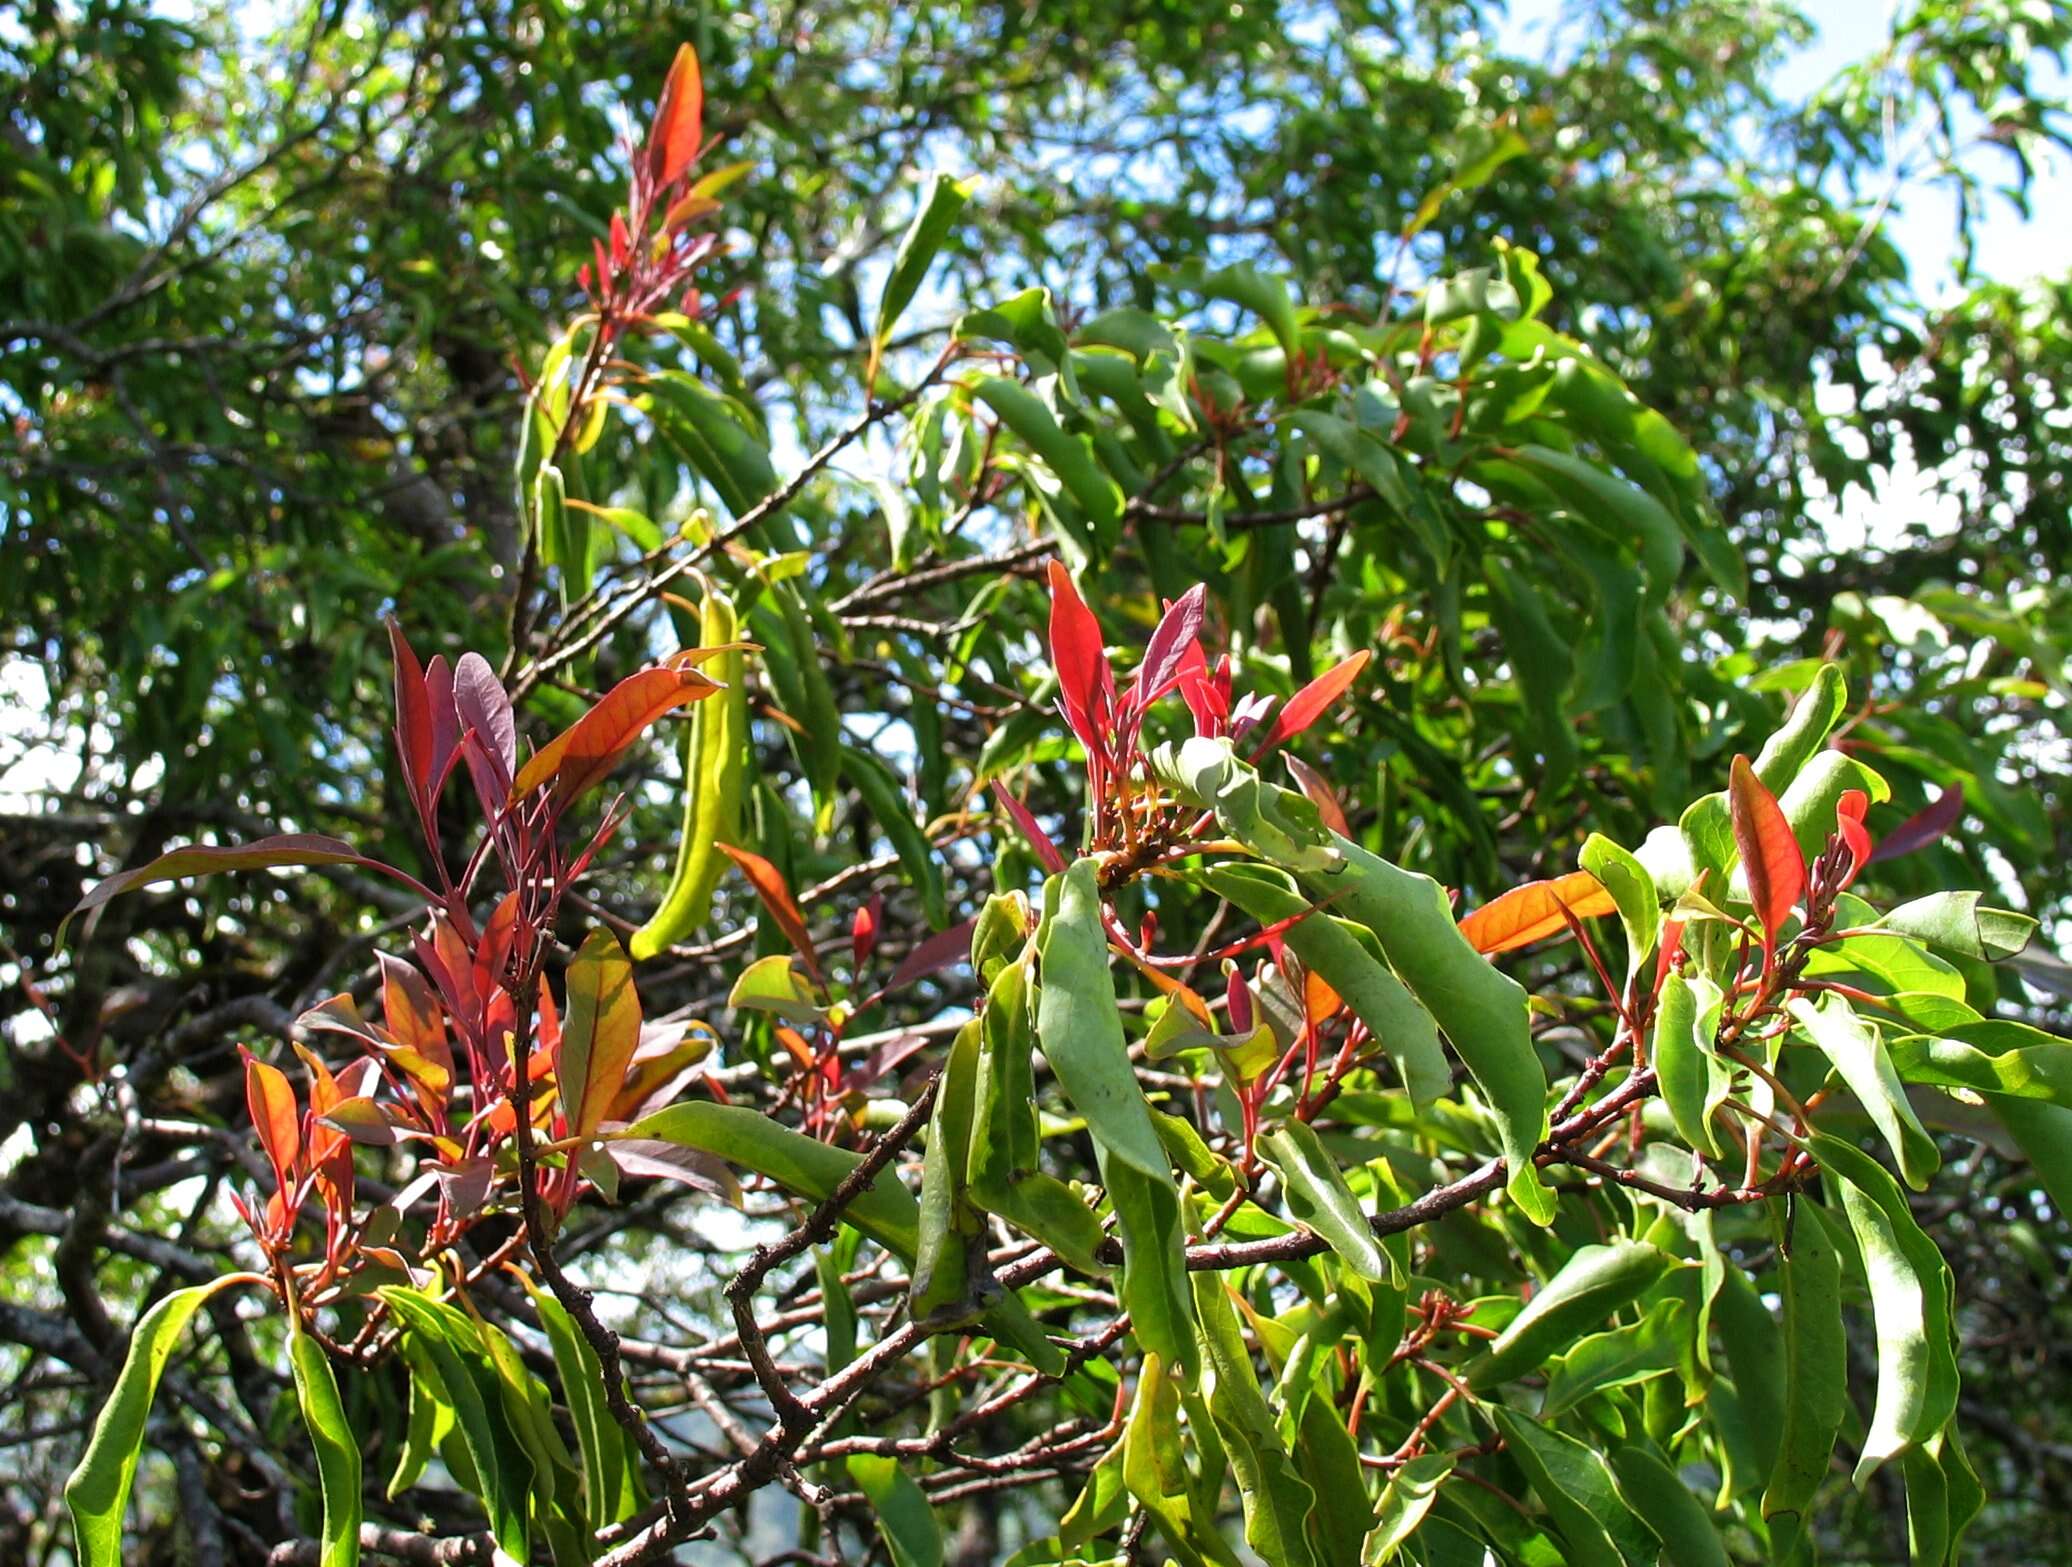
(503, 1471)
(1816, 1364)
(284, 850)
(884, 797)
(600, 1032)
(1482, 1011)
(1911, 1302)
(1533, 912)
(1857, 1052)
(1769, 850)
(715, 771)
(1595, 1282)
(611, 1484)
(1658, 1497)
(1277, 1504)
(1361, 978)
(1309, 704)
(1577, 1487)
(1925, 828)
(937, 213)
(97, 1491)
(776, 898)
(900, 1507)
(338, 1450)
(679, 127)
(1689, 1073)
(584, 753)
(1318, 1198)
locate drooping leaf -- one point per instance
(1857, 1053)
(338, 1450)
(286, 849)
(1911, 1292)
(900, 1509)
(1816, 1361)
(97, 1491)
(1319, 1199)
(1956, 923)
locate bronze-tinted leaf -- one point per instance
(1533, 912)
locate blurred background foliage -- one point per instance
(268, 274)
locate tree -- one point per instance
(1456, 524)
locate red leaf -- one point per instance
(590, 747)
(1310, 703)
(769, 886)
(301, 848)
(1165, 655)
(863, 930)
(1533, 912)
(1769, 852)
(413, 714)
(679, 119)
(438, 686)
(1321, 794)
(1039, 840)
(415, 1019)
(1076, 652)
(1198, 691)
(1849, 823)
(944, 949)
(1926, 826)
(600, 1032)
(622, 247)
(275, 1116)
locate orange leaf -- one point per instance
(600, 1032)
(679, 119)
(1529, 913)
(769, 886)
(1769, 851)
(275, 1116)
(590, 747)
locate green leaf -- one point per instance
(1658, 1497)
(1595, 1282)
(1276, 1502)
(1080, 1030)
(1154, 1470)
(884, 797)
(611, 1476)
(1616, 506)
(1632, 889)
(1318, 1198)
(714, 437)
(1954, 922)
(775, 984)
(1404, 1502)
(97, 1491)
(885, 1210)
(1541, 663)
(940, 206)
(430, 1421)
(1473, 176)
(1756, 1352)
(1857, 1053)
(947, 1272)
(1693, 1079)
(1911, 1295)
(1576, 1485)
(1619, 1357)
(338, 1451)
(1482, 1011)
(1332, 948)
(1070, 457)
(502, 1470)
(904, 1518)
(1816, 1377)
(1992, 1056)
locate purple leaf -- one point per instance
(1166, 653)
(1925, 827)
